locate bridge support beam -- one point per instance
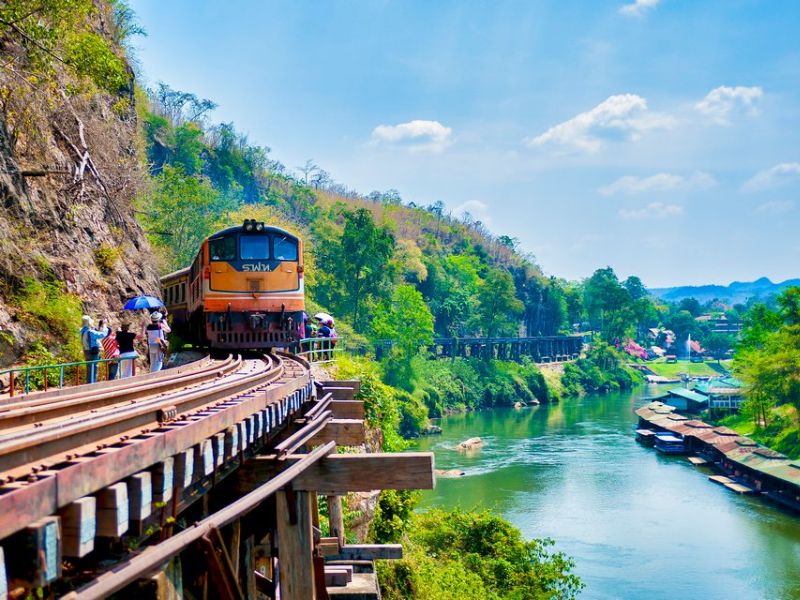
(295, 545)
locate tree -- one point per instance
(406, 320)
(498, 307)
(635, 287)
(181, 212)
(356, 265)
(692, 306)
(718, 344)
(608, 304)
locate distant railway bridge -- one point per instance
(541, 349)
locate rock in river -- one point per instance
(471, 444)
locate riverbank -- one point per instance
(769, 473)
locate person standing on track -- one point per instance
(156, 342)
(90, 341)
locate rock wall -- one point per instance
(70, 170)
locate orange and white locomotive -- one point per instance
(244, 290)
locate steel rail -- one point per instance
(153, 557)
(43, 493)
(77, 403)
(29, 446)
(302, 436)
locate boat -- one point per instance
(669, 443)
(646, 437)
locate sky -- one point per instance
(658, 137)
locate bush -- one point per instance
(46, 305)
(601, 370)
(92, 57)
(106, 257)
(459, 555)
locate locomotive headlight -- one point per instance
(248, 226)
(259, 227)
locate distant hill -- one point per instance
(738, 291)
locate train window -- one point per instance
(284, 248)
(255, 247)
(222, 248)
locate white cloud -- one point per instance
(654, 210)
(638, 7)
(417, 135)
(721, 102)
(479, 211)
(660, 182)
(774, 208)
(773, 177)
(624, 115)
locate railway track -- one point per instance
(104, 486)
(56, 448)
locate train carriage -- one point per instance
(244, 290)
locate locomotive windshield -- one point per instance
(255, 247)
(222, 248)
(285, 248)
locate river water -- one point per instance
(638, 524)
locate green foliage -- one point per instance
(106, 257)
(463, 555)
(768, 361)
(380, 402)
(406, 320)
(47, 306)
(356, 266)
(601, 370)
(181, 211)
(499, 307)
(392, 515)
(91, 57)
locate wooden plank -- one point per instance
(140, 496)
(347, 409)
(338, 474)
(336, 518)
(112, 510)
(78, 527)
(337, 577)
(295, 546)
(339, 392)
(184, 469)
(345, 432)
(163, 480)
(38, 557)
(369, 552)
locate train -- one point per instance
(243, 291)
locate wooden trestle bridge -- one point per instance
(542, 349)
(202, 481)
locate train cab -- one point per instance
(245, 288)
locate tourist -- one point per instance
(156, 342)
(127, 353)
(90, 341)
(111, 352)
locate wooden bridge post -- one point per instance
(295, 545)
(336, 518)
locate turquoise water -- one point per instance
(638, 524)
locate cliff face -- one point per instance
(69, 172)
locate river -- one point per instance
(638, 524)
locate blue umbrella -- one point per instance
(142, 302)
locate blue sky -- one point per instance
(661, 137)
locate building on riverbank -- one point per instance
(770, 473)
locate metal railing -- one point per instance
(320, 350)
(43, 377)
